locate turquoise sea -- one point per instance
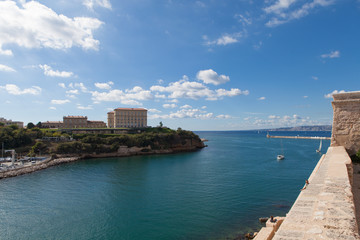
(218, 192)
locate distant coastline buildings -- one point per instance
(10, 122)
(74, 122)
(127, 118)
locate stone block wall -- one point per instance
(346, 122)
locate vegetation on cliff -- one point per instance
(356, 158)
(31, 141)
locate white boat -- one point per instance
(281, 156)
(319, 150)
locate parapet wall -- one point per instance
(346, 121)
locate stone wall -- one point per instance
(346, 122)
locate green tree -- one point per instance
(39, 148)
(30, 125)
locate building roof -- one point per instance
(132, 109)
(75, 117)
(52, 122)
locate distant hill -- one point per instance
(304, 128)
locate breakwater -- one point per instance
(299, 137)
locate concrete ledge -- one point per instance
(325, 208)
(268, 232)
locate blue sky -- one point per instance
(199, 65)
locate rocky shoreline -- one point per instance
(123, 151)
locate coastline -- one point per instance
(123, 151)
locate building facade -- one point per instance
(96, 124)
(52, 124)
(81, 122)
(127, 118)
(10, 122)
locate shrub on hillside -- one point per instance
(356, 158)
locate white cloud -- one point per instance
(153, 110)
(211, 77)
(81, 86)
(332, 54)
(223, 116)
(195, 90)
(6, 52)
(185, 113)
(60, 102)
(160, 95)
(329, 95)
(79, 106)
(4, 68)
(225, 39)
(261, 98)
(167, 105)
(62, 85)
(283, 11)
(315, 78)
(52, 108)
(279, 6)
(135, 89)
(106, 86)
(90, 4)
(73, 91)
(34, 25)
(243, 20)
(130, 97)
(15, 90)
(55, 73)
(131, 102)
(186, 106)
(305, 96)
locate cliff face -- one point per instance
(166, 141)
(177, 145)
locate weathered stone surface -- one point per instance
(346, 121)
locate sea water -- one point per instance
(218, 192)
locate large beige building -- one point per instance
(127, 118)
(10, 122)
